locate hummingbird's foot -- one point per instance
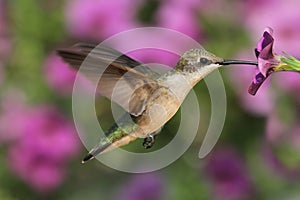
(149, 141)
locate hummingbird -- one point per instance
(150, 99)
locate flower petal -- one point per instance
(256, 83)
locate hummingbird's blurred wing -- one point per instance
(105, 55)
(122, 79)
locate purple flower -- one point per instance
(228, 175)
(266, 60)
(97, 19)
(143, 186)
(258, 14)
(264, 52)
(40, 144)
(59, 75)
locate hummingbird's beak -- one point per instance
(237, 62)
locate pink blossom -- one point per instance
(282, 16)
(49, 130)
(179, 18)
(41, 173)
(40, 143)
(97, 19)
(173, 15)
(59, 75)
(154, 56)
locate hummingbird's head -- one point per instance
(198, 60)
(201, 61)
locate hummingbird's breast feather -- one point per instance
(162, 106)
(179, 84)
(165, 101)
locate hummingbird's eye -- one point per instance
(203, 61)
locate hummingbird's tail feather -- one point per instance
(103, 147)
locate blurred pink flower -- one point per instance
(143, 186)
(50, 134)
(228, 175)
(155, 56)
(282, 16)
(97, 19)
(59, 75)
(179, 18)
(38, 171)
(40, 143)
(240, 76)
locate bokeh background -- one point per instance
(257, 156)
